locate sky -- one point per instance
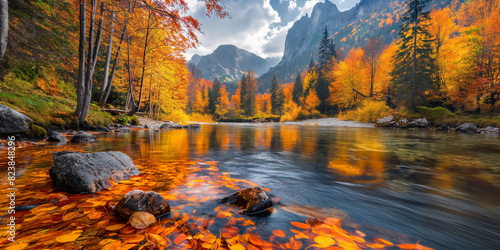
(259, 26)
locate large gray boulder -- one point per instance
(140, 201)
(13, 122)
(251, 200)
(467, 128)
(80, 173)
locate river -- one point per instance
(441, 190)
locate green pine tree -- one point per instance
(415, 67)
(326, 50)
(298, 90)
(214, 96)
(276, 105)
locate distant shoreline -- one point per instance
(322, 122)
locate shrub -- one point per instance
(292, 112)
(368, 111)
(197, 117)
(132, 120)
(36, 132)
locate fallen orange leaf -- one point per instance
(279, 233)
(300, 225)
(141, 220)
(180, 238)
(324, 241)
(115, 227)
(69, 237)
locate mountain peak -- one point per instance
(228, 63)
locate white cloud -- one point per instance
(248, 27)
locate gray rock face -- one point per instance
(250, 201)
(467, 128)
(80, 173)
(140, 201)
(12, 122)
(54, 136)
(83, 137)
(229, 61)
(419, 123)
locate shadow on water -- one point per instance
(436, 188)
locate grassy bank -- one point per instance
(439, 115)
(47, 104)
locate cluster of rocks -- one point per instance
(81, 173)
(173, 125)
(392, 121)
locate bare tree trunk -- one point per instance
(92, 58)
(113, 70)
(136, 108)
(80, 84)
(150, 100)
(4, 26)
(108, 60)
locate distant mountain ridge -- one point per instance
(348, 29)
(228, 63)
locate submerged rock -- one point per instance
(141, 201)
(13, 122)
(250, 201)
(80, 173)
(83, 137)
(467, 128)
(125, 130)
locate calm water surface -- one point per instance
(439, 189)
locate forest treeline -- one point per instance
(126, 54)
(447, 57)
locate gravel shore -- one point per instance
(325, 122)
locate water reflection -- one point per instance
(441, 189)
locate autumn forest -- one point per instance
(376, 127)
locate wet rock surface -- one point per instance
(251, 200)
(141, 201)
(80, 173)
(12, 122)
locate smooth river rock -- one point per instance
(80, 173)
(13, 122)
(54, 136)
(467, 128)
(83, 137)
(141, 201)
(251, 200)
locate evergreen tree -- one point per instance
(326, 50)
(250, 92)
(243, 92)
(415, 67)
(311, 65)
(275, 96)
(298, 90)
(214, 96)
(323, 90)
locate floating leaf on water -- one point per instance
(180, 238)
(70, 216)
(115, 227)
(385, 242)
(278, 233)
(324, 241)
(141, 220)
(136, 238)
(69, 237)
(300, 225)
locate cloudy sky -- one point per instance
(259, 26)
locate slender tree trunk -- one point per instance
(136, 108)
(113, 70)
(108, 60)
(80, 84)
(150, 100)
(92, 58)
(4, 26)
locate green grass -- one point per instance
(46, 109)
(439, 115)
